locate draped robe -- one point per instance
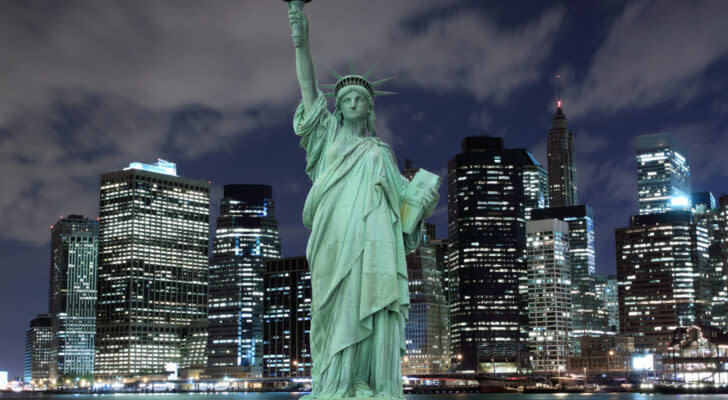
(356, 254)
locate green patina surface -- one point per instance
(357, 248)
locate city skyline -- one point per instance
(69, 129)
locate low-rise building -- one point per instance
(697, 354)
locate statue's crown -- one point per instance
(356, 80)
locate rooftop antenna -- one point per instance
(558, 90)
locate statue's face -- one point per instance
(353, 105)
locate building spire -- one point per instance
(558, 91)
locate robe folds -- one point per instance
(356, 253)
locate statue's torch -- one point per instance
(296, 28)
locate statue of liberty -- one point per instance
(356, 210)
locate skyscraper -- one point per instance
(607, 289)
(561, 162)
(287, 318)
(586, 317)
(153, 259)
(535, 186)
(73, 269)
(659, 263)
(246, 237)
(37, 361)
(549, 294)
(714, 287)
(486, 261)
(427, 330)
(663, 174)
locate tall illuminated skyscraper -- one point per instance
(486, 261)
(153, 259)
(707, 215)
(561, 162)
(246, 237)
(663, 174)
(660, 259)
(586, 306)
(427, 329)
(73, 269)
(287, 318)
(549, 294)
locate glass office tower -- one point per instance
(660, 259)
(607, 289)
(153, 260)
(287, 318)
(427, 329)
(587, 315)
(663, 174)
(549, 294)
(535, 186)
(37, 362)
(486, 261)
(246, 237)
(73, 269)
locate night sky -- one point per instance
(89, 86)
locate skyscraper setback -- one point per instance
(663, 174)
(246, 237)
(153, 259)
(561, 162)
(72, 297)
(486, 260)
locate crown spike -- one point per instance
(379, 82)
(382, 93)
(329, 95)
(336, 74)
(351, 68)
(328, 86)
(366, 74)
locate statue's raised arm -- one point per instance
(304, 62)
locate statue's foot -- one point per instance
(362, 390)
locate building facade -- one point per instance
(605, 354)
(37, 360)
(588, 316)
(153, 259)
(193, 357)
(72, 297)
(246, 238)
(486, 262)
(549, 294)
(535, 186)
(427, 329)
(561, 163)
(663, 174)
(287, 318)
(706, 214)
(607, 288)
(659, 262)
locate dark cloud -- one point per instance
(656, 51)
(91, 86)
